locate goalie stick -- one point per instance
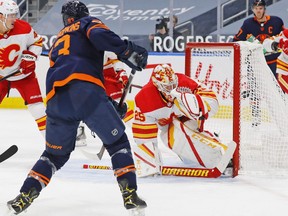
(8, 153)
(171, 171)
(100, 154)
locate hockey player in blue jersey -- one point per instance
(75, 92)
(261, 26)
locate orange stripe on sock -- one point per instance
(39, 177)
(124, 170)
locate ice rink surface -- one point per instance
(74, 191)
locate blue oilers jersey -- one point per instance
(77, 53)
(273, 26)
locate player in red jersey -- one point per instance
(261, 26)
(177, 106)
(115, 79)
(20, 46)
(275, 44)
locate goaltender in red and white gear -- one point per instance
(20, 46)
(178, 110)
(276, 44)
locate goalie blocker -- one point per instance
(191, 146)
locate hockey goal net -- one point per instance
(252, 109)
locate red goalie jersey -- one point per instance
(156, 109)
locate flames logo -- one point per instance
(5, 52)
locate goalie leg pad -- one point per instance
(148, 160)
(193, 146)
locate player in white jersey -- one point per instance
(20, 46)
(276, 44)
(177, 106)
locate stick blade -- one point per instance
(8, 153)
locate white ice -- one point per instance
(74, 191)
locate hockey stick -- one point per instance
(8, 153)
(126, 89)
(9, 75)
(100, 154)
(171, 171)
(12, 74)
(18, 71)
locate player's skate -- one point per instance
(135, 205)
(22, 201)
(81, 137)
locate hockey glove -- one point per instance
(122, 76)
(120, 110)
(274, 46)
(191, 105)
(134, 56)
(27, 64)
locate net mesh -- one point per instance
(263, 121)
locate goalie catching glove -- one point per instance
(134, 56)
(27, 64)
(191, 105)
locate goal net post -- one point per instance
(252, 111)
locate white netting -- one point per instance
(263, 120)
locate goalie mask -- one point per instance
(165, 79)
(72, 11)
